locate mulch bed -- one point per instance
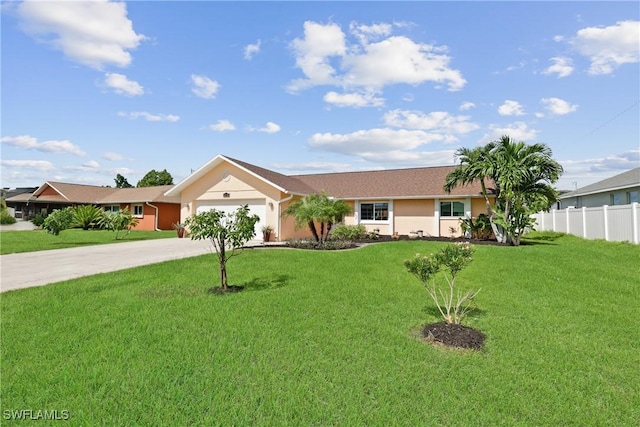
(454, 335)
(492, 242)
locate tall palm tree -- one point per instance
(522, 175)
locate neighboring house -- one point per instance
(621, 189)
(17, 193)
(392, 201)
(149, 205)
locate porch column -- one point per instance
(391, 220)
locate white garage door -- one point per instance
(256, 207)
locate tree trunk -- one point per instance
(312, 227)
(223, 266)
(498, 231)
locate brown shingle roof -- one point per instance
(289, 183)
(92, 194)
(389, 183)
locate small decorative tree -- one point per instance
(119, 221)
(451, 302)
(58, 220)
(228, 234)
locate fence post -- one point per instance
(584, 222)
(634, 218)
(606, 222)
(553, 219)
(567, 218)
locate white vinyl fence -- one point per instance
(613, 223)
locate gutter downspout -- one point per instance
(155, 225)
(280, 214)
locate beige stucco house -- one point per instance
(393, 201)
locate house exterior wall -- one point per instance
(413, 215)
(624, 196)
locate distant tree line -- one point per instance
(151, 179)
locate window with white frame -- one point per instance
(112, 208)
(377, 211)
(452, 209)
(138, 210)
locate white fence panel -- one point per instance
(614, 223)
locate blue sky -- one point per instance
(92, 89)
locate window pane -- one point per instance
(137, 210)
(458, 209)
(616, 199)
(633, 196)
(445, 208)
(381, 211)
(366, 211)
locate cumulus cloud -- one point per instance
(222, 126)
(354, 99)
(92, 33)
(150, 117)
(510, 108)
(557, 106)
(365, 64)
(204, 87)
(373, 143)
(41, 165)
(467, 106)
(251, 49)
(609, 47)
(28, 142)
(587, 171)
(518, 131)
(270, 127)
(122, 85)
(561, 66)
(439, 122)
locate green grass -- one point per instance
(328, 338)
(39, 240)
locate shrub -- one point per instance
(451, 302)
(349, 232)
(58, 220)
(478, 229)
(87, 216)
(119, 221)
(38, 219)
(6, 218)
(327, 245)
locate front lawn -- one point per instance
(39, 240)
(329, 338)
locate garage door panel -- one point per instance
(256, 207)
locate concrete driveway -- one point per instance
(30, 269)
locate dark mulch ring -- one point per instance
(217, 290)
(434, 239)
(453, 335)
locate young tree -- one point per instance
(58, 220)
(228, 234)
(153, 178)
(121, 182)
(320, 209)
(522, 175)
(118, 222)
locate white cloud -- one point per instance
(467, 106)
(557, 106)
(373, 143)
(518, 131)
(150, 117)
(41, 165)
(439, 122)
(609, 47)
(270, 127)
(510, 108)
(92, 33)
(91, 164)
(370, 66)
(112, 156)
(251, 49)
(28, 142)
(122, 85)
(222, 126)
(204, 87)
(561, 66)
(587, 171)
(353, 99)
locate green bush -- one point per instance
(87, 216)
(349, 232)
(6, 218)
(38, 219)
(58, 220)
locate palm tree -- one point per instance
(522, 175)
(317, 208)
